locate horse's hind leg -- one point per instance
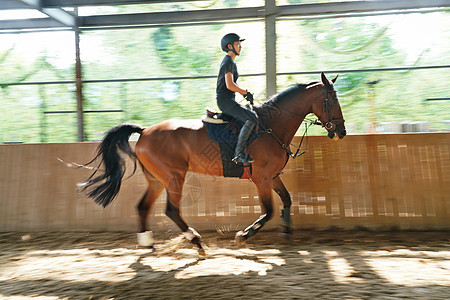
(281, 190)
(174, 189)
(155, 187)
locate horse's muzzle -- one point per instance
(335, 132)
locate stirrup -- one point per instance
(243, 159)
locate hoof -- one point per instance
(239, 239)
(190, 234)
(145, 239)
(150, 249)
(286, 234)
(202, 252)
(287, 230)
(197, 242)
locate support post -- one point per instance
(79, 86)
(271, 47)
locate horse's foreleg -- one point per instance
(145, 237)
(174, 190)
(281, 190)
(265, 196)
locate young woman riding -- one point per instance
(225, 95)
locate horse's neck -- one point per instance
(287, 128)
(285, 121)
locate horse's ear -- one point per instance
(325, 80)
(335, 78)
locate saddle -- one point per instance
(215, 117)
(224, 129)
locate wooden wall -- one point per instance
(372, 181)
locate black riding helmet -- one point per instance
(230, 38)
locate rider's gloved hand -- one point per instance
(249, 97)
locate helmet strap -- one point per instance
(232, 48)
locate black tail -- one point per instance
(104, 187)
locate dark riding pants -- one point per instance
(230, 107)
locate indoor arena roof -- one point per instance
(29, 15)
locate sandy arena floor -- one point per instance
(313, 265)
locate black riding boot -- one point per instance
(239, 155)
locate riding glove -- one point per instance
(249, 97)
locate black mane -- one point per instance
(280, 97)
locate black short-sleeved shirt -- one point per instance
(227, 65)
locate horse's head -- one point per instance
(328, 110)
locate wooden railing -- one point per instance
(372, 181)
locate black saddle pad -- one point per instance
(229, 132)
(227, 135)
(223, 133)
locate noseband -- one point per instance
(330, 124)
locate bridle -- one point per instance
(330, 125)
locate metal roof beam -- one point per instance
(29, 24)
(66, 19)
(73, 3)
(358, 7)
(172, 17)
(334, 8)
(57, 14)
(13, 4)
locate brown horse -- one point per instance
(168, 150)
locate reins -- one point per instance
(287, 148)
